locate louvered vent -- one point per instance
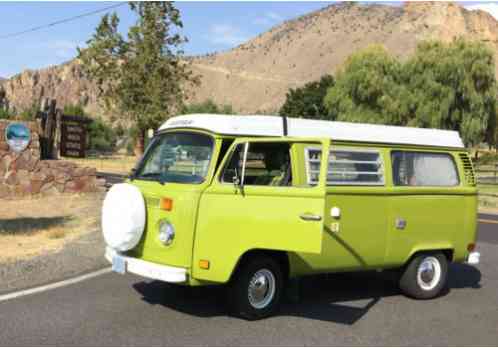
(468, 169)
(152, 202)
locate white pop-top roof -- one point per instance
(259, 125)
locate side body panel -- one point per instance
(356, 239)
(368, 237)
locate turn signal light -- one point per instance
(471, 247)
(166, 204)
(204, 264)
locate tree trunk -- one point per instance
(140, 143)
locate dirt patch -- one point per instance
(32, 227)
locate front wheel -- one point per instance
(425, 276)
(256, 289)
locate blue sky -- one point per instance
(210, 26)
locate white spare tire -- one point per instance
(123, 217)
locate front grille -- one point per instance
(468, 169)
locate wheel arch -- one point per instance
(447, 251)
(280, 256)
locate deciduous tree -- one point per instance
(141, 77)
(307, 101)
(442, 85)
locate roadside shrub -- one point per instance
(486, 158)
(207, 107)
(74, 110)
(4, 114)
(102, 136)
(30, 113)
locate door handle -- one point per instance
(310, 217)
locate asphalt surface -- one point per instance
(79, 256)
(349, 309)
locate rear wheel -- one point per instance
(256, 289)
(425, 276)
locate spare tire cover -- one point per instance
(123, 217)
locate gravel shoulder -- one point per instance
(81, 255)
(49, 240)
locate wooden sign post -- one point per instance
(73, 136)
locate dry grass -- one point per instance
(35, 226)
(118, 164)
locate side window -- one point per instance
(268, 164)
(423, 169)
(346, 166)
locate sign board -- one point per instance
(73, 136)
(17, 136)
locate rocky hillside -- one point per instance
(255, 75)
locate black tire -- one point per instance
(429, 287)
(238, 289)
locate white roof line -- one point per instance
(258, 125)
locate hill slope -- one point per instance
(255, 75)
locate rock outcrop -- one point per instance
(256, 75)
(24, 174)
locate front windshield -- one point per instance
(178, 158)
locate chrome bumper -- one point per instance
(147, 269)
(473, 258)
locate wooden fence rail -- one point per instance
(487, 174)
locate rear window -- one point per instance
(423, 169)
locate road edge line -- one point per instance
(59, 284)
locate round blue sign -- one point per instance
(17, 136)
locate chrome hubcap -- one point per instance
(429, 273)
(261, 289)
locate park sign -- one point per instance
(17, 136)
(74, 136)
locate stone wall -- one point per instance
(25, 174)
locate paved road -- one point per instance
(355, 309)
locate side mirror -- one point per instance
(133, 173)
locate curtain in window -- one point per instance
(433, 170)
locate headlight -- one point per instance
(166, 232)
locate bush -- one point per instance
(4, 114)
(486, 158)
(207, 107)
(307, 101)
(30, 113)
(74, 110)
(102, 136)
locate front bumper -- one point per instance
(473, 258)
(146, 269)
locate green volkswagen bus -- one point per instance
(253, 201)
